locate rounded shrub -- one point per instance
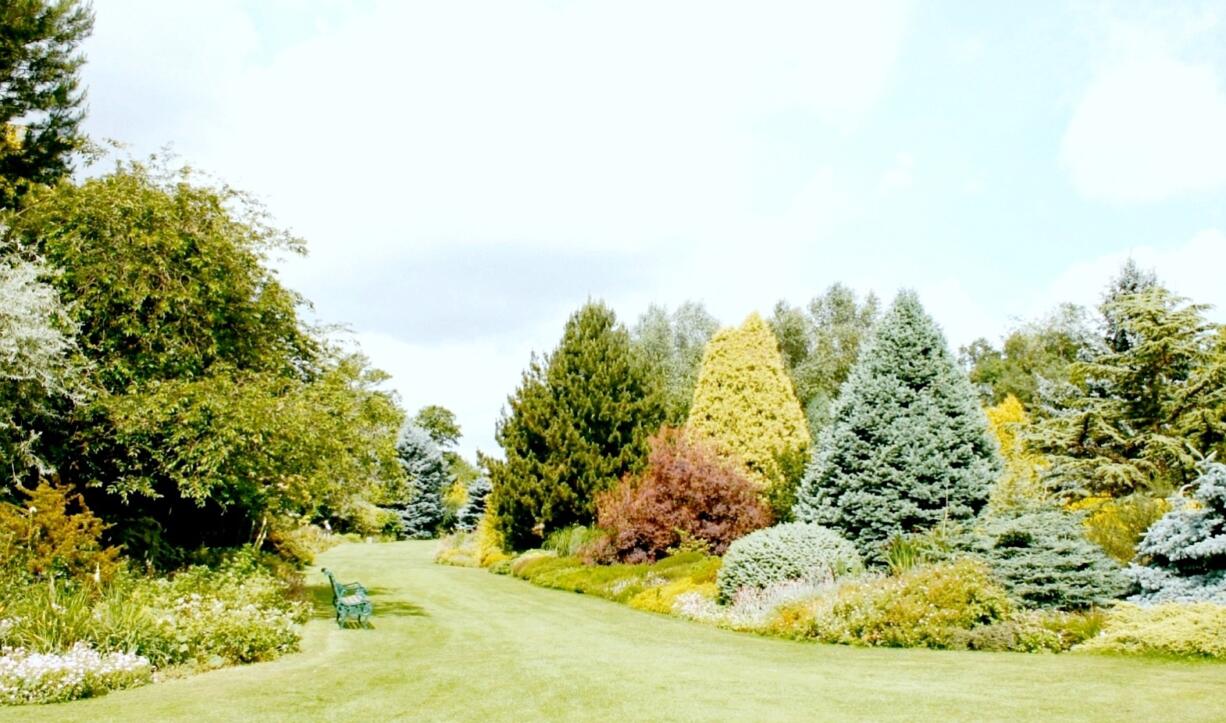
(792, 551)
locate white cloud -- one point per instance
(1149, 126)
(1191, 269)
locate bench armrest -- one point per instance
(351, 588)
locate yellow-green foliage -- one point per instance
(52, 533)
(1019, 483)
(661, 599)
(935, 607)
(745, 403)
(490, 548)
(456, 496)
(1196, 630)
(621, 583)
(1117, 525)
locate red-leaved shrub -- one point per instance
(687, 493)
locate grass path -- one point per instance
(462, 644)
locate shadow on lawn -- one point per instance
(320, 598)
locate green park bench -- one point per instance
(350, 600)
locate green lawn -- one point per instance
(462, 644)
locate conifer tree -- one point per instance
(1185, 551)
(1132, 419)
(908, 446)
(422, 511)
(578, 422)
(474, 507)
(41, 100)
(1043, 558)
(744, 402)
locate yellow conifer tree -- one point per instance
(1020, 482)
(745, 403)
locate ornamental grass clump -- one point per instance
(794, 551)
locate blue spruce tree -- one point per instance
(908, 445)
(470, 513)
(421, 513)
(1185, 551)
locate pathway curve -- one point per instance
(462, 644)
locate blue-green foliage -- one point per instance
(1185, 551)
(468, 516)
(1045, 561)
(421, 512)
(791, 551)
(908, 445)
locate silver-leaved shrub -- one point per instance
(795, 551)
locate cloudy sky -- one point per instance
(467, 173)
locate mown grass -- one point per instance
(461, 644)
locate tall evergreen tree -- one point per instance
(578, 422)
(908, 446)
(41, 104)
(744, 402)
(1134, 411)
(421, 512)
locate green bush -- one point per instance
(237, 612)
(935, 606)
(1191, 630)
(791, 551)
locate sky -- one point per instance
(467, 174)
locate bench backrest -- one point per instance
(337, 591)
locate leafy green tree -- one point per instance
(1184, 553)
(1118, 332)
(578, 422)
(908, 446)
(168, 278)
(820, 344)
(673, 345)
(217, 415)
(1133, 410)
(744, 403)
(41, 104)
(40, 369)
(1032, 355)
(440, 423)
(219, 459)
(421, 513)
